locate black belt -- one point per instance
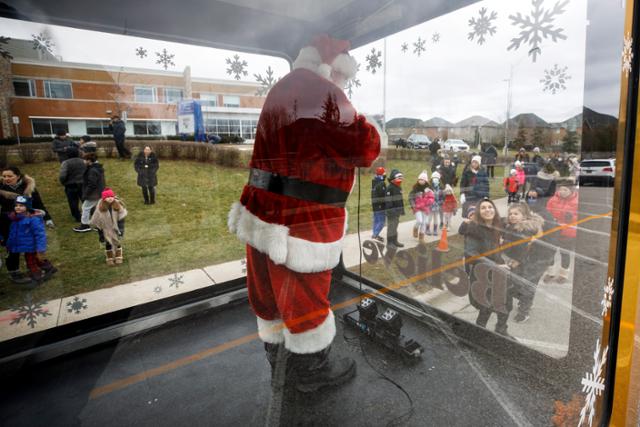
(297, 188)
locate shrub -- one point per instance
(28, 153)
(228, 157)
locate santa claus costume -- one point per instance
(291, 213)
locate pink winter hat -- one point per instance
(108, 193)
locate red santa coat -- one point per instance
(307, 130)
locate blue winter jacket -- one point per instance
(27, 233)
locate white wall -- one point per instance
(77, 127)
(168, 128)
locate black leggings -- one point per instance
(149, 194)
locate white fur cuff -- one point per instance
(270, 331)
(314, 340)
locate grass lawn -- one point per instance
(185, 229)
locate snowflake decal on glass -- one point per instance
(435, 37)
(141, 52)
(418, 47)
(42, 42)
(404, 47)
(77, 305)
(373, 60)
(554, 79)
(176, 280)
(607, 297)
(29, 312)
(353, 82)
(266, 82)
(537, 26)
(165, 59)
(627, 54)
(482, 27)
(243, 261)
(593, 384)
(236, 67)
(3, 51)
(157, 289)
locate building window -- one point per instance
(228, 127)
(172, 95)
(49, 126)
(231, 101)
(24, 87)
(145, 94)
(147, 127)
(98, 127)
(57, 89)
(208, 100)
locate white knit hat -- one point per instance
(517, 163)
(435, 175)
(423, 176)
(477, 159)
(513, 172)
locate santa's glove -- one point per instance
(50, 223)
(462, 198)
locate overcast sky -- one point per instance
(453, 79)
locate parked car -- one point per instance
(455, 145)
(418, 141)
(601, 171)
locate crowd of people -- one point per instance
(538, 200)
(93, 205)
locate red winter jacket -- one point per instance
(450, 204)
(511, 184)
(564, 211)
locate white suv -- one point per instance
(455, 145)
(597, 170)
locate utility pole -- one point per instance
(506, 123)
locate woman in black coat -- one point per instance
(147, 167)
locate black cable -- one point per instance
(411, 410)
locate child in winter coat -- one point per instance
(436, 209)
(418, 188)
(108, 218)
(423, 210)
(522, 176)
(449, 205)
(378, 190)
(511, 186)
(394, 207)
(527, 261)
(563, 208)
(27, 236)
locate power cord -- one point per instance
(405, 417)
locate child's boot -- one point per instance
(421, 237)
(19, 277)
(110, 257)
(119, 256)
(48, 269)
(415, 231)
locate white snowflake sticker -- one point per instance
(593, 385)
(373, 60)
(537, 26)
(607, 297)
(418, 47)
(554, 79)
(353, 82)
(627, 54)
(165, 59)
(482, 26)
(237, 67)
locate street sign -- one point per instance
(16, 120)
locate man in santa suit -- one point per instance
(292, 212)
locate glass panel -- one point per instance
(173, 95)
(231, 101)
(54, 89)
(41, 127)
(154, 128)
(98, 127)
(24, 87)
(145, 94)
(59, 125)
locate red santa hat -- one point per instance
(324, 55)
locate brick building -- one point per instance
(48, 95)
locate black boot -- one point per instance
(315, 371)
(19, 277)
(277, 356)
(145, 195)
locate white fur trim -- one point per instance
(324, 70)
(299, 255)
(271, 331)
(309, 58)
(314, 340)
(346, 65)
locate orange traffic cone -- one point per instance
(443, 245)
